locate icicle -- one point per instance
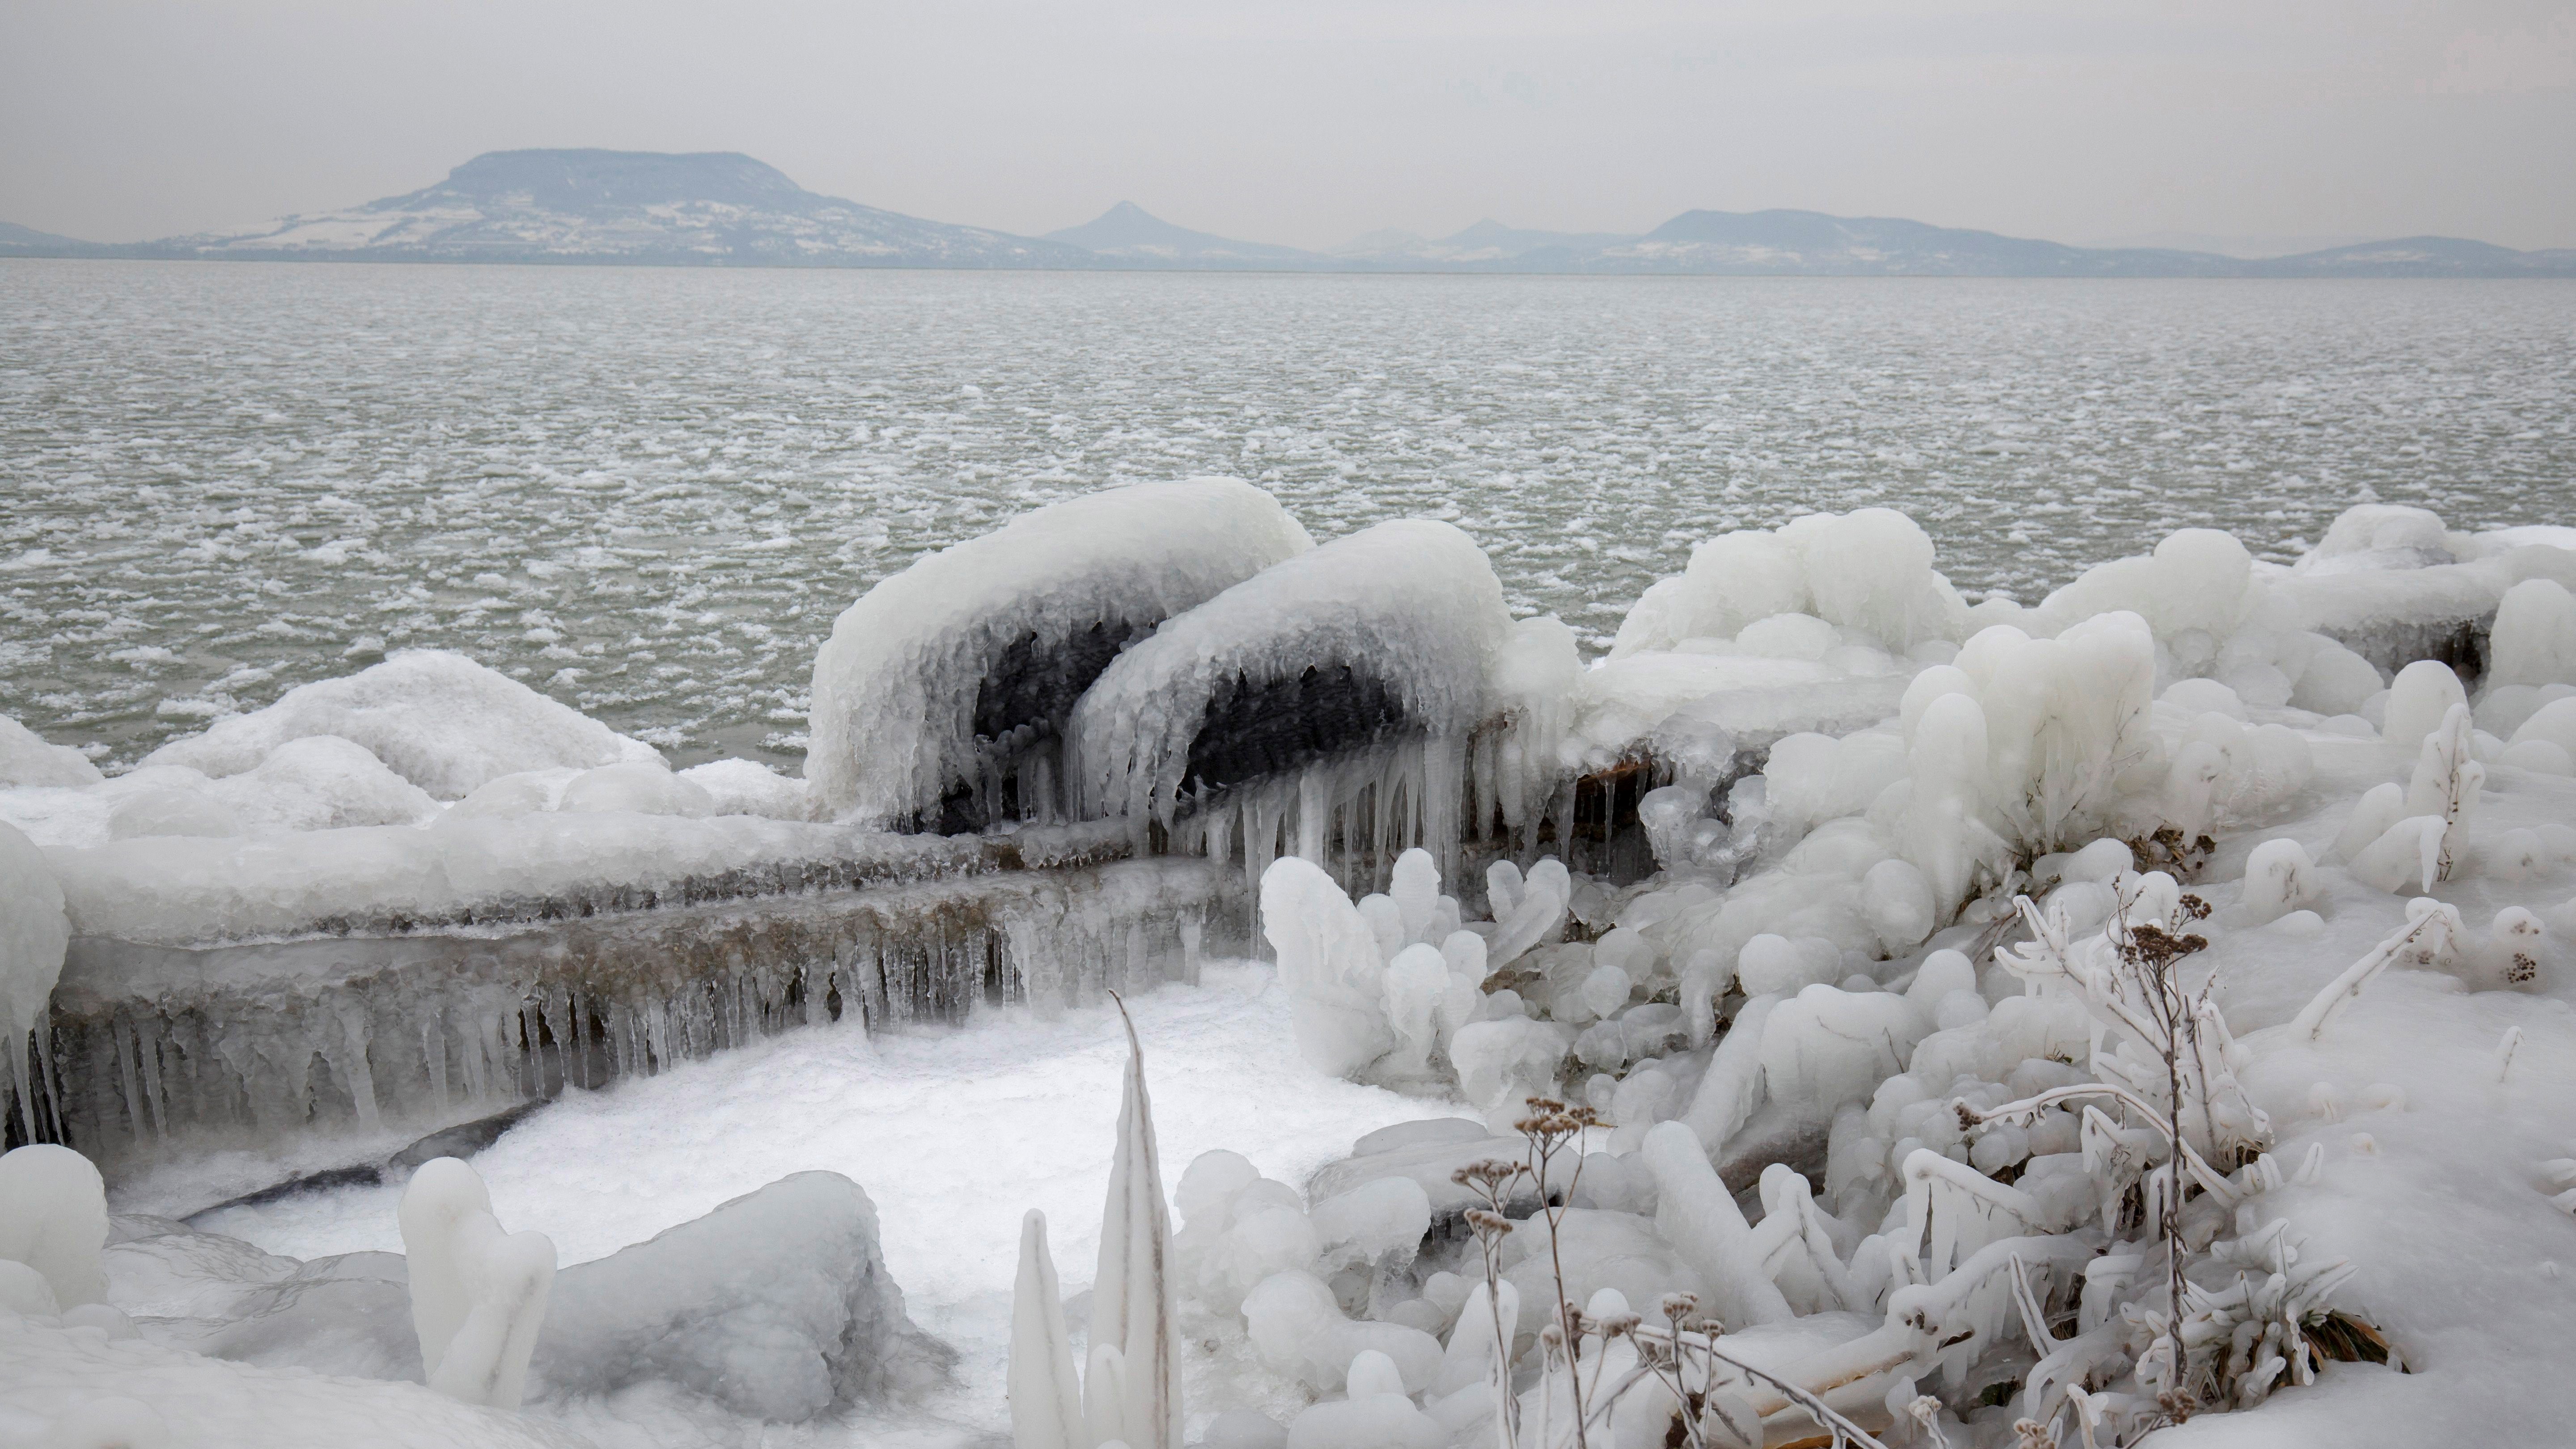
(354, 1072)
(1045, 1397)
(1132, 1302)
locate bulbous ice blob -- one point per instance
(2422, 693)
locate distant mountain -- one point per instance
(726, 209)
(714, 208)
(2422, 256)
(1486, 242)
(1810, 243)
(1129, 233)
(26, 241)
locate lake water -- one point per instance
(648, 492)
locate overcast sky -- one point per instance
(1308, 123)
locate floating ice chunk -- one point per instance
(1392, 630)
(53, 1219)
(317, 782)
(2534, 639)
(643, 789)
(26, 760)
(2422, 693)
(777, 1304)
(439, 720)
(478, 1294)
(748, 787)
(980, 650)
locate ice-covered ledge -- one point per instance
(391, 1025)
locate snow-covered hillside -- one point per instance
(710, 208)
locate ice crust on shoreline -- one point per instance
(1804, 1027)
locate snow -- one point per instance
(1036, 1098)
(907, 685)
(437, 719)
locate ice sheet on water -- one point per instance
(992, 640)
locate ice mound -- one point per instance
(1863, 576)
(27, 760)
(777, 1304)
(1390, 631)
(936, 683)
(439, 720)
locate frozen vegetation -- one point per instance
(1839, 1012)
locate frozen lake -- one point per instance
(648, 492)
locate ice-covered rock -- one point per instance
(439, 720)
(935, 681)
(777, 1304)
(1389, 631)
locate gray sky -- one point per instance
(1308, 123)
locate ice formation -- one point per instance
(952, 681)
(34, 935)
(1361, 667)
(478, 1294)
(1989, 1015)
(1130, 1390)
(53, 1219)
(438, 720)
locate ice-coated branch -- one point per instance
(2431, 928)
(1045, 1395)
(1132, 1295)
(2028, 1109)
